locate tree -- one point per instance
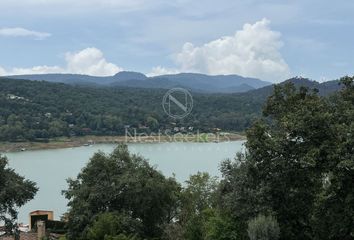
(114, 226)
(198, 198)
(263, 228)
(334, 215)
(15, 191)
(121, 183)
(289, 154)
(220, 226)
(152, 123)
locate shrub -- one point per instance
(263, 228)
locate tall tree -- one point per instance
(15, 191)
(124, 183)
(291, 154)
(334, 218)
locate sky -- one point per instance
(271, 39)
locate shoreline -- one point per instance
(70, 142)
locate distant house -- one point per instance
(143, 127)
(42, 225)
(40, 215)
(14, 97)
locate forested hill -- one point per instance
(324, 89)
(193, 81)
(38, 110)
(33, 110)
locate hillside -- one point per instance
(324, 89)
(34, 110)
(191, 81)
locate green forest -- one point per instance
(39, 110)
(294, 181)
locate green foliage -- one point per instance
(263, 228)
(33, 110)
(295, 181)
(334, 213)
(198, 194)
(197, 198)
(114, 226)
(199, 217)
(298, 166)
(120, 183)
(15, 191)
(220, 227)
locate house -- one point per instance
(41, 226)
(40, 233)
(42, 215)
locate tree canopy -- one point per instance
(294, 181)
(298, 166)
(15, 191)
(123, 184)
(38, 111)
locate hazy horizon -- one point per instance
(271, 40)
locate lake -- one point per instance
(50, 168)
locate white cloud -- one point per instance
(22, 32)
(251, 52)
(88, 61)
(79, 5)
(37, 70)
(2, 72)
(157, 71)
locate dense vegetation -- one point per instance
(15, 191)
(295, 181)
(32, 110)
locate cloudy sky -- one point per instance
(269, 39)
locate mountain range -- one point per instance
(324, 88)
(192, 81)
(37, 110)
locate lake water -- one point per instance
(50, 168)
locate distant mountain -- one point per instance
(325, 88)
(78, 79)
(192, 81)
(125, 76)
(86, 110)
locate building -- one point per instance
(41, 215)
(42, 225)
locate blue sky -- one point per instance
(271, 40)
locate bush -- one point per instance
(263, 228)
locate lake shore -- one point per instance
(66, 142)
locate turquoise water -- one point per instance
(50, 168)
